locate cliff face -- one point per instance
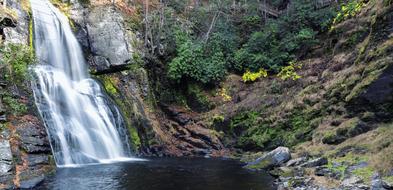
(25, 153)
(114, 53)
(340, 108)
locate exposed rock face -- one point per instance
(33, 137)
(20, 33)
(108, 39)
(5, 157)
(274, 158)
(315, 162)
(24, 146)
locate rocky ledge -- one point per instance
(308, 173)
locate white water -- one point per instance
(83, 125)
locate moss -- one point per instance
(31, 35)
(109, 85)
(341, 169)
(265, 163)
(388, 179)
(341, 164)
(329, 137)
(364, 173)
(134, 137)
(362, 85)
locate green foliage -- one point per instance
(251, 77)
(281, 40)
(349, 10)
(109, 85)
(16, 59)
(216, 39)
(16, 107)
(192, 62)
(196, 98)
(289, 72)
(255, 133)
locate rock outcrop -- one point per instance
(109, 42)
(24, 147)
(274, 158)
(19, 33)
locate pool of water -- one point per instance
(161, 174)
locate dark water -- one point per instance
(161, 174)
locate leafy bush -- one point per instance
(193, 63)
(16, 107)
(348, 10)
(251, 77)
(16, 59)
(283, 39)
(289, 72)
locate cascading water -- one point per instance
(83, 125)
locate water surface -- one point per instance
(161, 174)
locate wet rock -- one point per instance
(5, 157)
(378, 184)
(297, 161)
(3, 118)
(351, 181)
(314, 163)
(324, 171)
(31, 183)
(38, 160)
(33, 138)
(274, 158)
(108, 38)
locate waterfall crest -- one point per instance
(83, 125)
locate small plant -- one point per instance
(16, 59)
(16, 107)
(224, 94)
(249, 76)
(349, 10)
(289, 72)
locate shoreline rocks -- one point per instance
(304, 173)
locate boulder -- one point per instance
(274, 158)
(5, 157)
(109, 43)
(297, 161)
(378, 184)
(314, 163)
(354, 183)
(31, 183)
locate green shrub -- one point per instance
(251, 77)
(349, 10)
(191, 62)
(16, 59)
(289, 72)
(16, 107)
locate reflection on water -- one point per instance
(161, 174)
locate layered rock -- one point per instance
(24, 147)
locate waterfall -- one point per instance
(84, 127)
